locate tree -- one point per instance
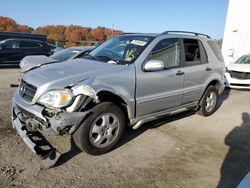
(71, 35)
(8, 24)
(98, 34)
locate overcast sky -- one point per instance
(127, 15)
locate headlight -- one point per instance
(85, 90)
(56, 98)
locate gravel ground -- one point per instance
(185, 150)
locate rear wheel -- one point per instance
(102, 130)
(209, 101)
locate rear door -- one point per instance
(196, 68)
(161, 90)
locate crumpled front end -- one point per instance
(32, 122)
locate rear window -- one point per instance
(214, 46)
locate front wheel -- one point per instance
(102, 129)
(209, 101)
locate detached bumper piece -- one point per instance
(37, 143)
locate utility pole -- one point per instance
(112, 30)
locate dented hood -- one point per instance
(34, 61)
(239, 67)
(58, 75)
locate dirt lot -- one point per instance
(185, 150)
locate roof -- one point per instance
(172, 33)
(142, 34)
(23, 39)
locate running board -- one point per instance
(155, 116)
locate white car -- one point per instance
(238, 73)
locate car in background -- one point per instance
(72, 53)
(31, 62)
(10, 35)
(238, 73)
(15, 49)
(55, 48)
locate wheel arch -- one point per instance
(108, 96)
(213, 82)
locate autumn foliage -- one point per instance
(71, 35)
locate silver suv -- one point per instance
(126, 81)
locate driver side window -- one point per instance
(168, 51)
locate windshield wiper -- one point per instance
(90, 57)
(106, 58)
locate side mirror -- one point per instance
(153, 65)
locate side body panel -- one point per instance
(157, 91)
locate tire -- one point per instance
(209, 101)
(101, 130)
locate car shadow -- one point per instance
(236, 164)
(131, 134)
(128, 136)
(224, 96)
(71, 153)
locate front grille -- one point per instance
(27, 91)
(241, 85)
(240, 75)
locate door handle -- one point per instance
(179, 73)
(208, 69)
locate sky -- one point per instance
(148, 16)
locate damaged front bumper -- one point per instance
(31, 124)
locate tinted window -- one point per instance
(28, 44)
(168, 51)
(192, 51)
(12, 44)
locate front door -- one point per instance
(161, 90)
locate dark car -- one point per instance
(13, 50)
(10, 35)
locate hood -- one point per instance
(34, 61)
(57, 76)
(239, 67)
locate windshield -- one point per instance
(120, 50)
(243, 60)
(65, 54)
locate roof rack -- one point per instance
(129, 33)
(187, 32)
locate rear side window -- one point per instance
(214, 46)
(192, 51)
(195, 53)
(168, 51)
(28, 44)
